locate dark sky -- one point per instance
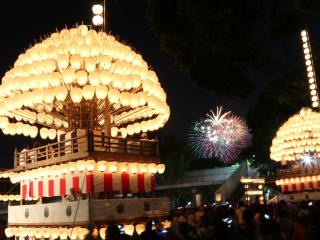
(25, 21)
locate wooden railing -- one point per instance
(125, 146)
(86, 144)
(50, 151)
(299, 172)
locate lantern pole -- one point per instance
(310, 69)
(104, 16)
(99, 15)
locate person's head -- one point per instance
(270, 230)
(281, 210)
(91, 227)
(113, 232)
(149, 225)
(241, 204)
(248, 215)
(184, 228)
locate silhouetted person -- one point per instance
(90, 235)
(113, 232)
(149, 234)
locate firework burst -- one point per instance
(220, 135)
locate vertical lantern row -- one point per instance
(98, 15)
(310, 69)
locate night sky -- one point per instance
(23, 22)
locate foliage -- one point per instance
(176, 158)
(219, 44)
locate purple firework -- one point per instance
(220, 135)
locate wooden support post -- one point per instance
(15, 157)
(107, 120)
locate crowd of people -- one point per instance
(281, 221)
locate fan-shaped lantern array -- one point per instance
(80, 78)
(298, 136)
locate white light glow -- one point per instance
(97, 20)
(97, 9)
(307, 160)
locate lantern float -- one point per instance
(96, 99)
(297, 143)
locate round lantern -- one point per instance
(82, 77)
(72, 166)
(123, 132)
(113, 95)
(90, 165)
(30, 232)
(101, 92)
(46, 232)
(76, 94)
(63, 233)
(81, 164)
(61, 93)
(129, 229)
(38, 233)
(33, 131)
(102, 232)
(102, 166)
(152, 168)
(54, 233)
(88, 92)
(123, 167)
(114, 131)
(133, 168)
(140, 228)
(44, 133)
(8, 231)
(161, 168)
(143, 168)
(113, 166)
(94, 78)
(52, 133)
(4, 121)
(68, 76)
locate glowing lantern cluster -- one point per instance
(310, 68)
(74, 67)
(45, 232)
(130, 228)
(6, 174)
(87, 166)
(305, 179)
(10, 197)
(298, 136)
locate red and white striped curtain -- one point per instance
(293, 187)
(88, 183)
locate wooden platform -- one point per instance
(90, 146)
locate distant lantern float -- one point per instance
(220, 135)
(298, 138)
(81, 72)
